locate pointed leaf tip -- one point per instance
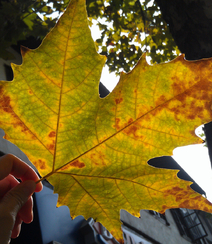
(24, 50)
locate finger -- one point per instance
(25, 212)
(17, 227)
(11, 204)
(7, 184)
(16, 198)
(9, 164)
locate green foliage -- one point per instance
(136, 28)
(128, 28)
(20, 20)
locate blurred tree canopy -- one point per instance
(24, 21)
(135, 27)
(128, 28)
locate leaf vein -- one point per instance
(110, 178)
(43, 72)
(103, 210)
(31, 131)
(123, 194)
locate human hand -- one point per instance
(15, 198)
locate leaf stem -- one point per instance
(43, 178)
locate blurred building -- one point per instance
(177, 226)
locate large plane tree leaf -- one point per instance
(95, 151)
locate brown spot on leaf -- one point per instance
(118, 100)
(181, 98)
(186, 198)
(180, 196)
(177, 189)
(40, 163)
(196, 203)
(52, 134)
(173, 191)
(76, 163)
(30, 92)
(5, 104)
(162, 99)
(51, 147)
(133, 129)
(24, 129)
(164, 207)
(117, 126)
(194, 99)
(178, 87)
(160, 104)
(130, 121)
(206, 208)
(188, 188)
(6, 107)
(98, 158)
(185, 204)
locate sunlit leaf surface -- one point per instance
(95, 151)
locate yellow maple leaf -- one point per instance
(95, 151)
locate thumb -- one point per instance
(12, 202)
(15, 199)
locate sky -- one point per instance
(193, 159)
